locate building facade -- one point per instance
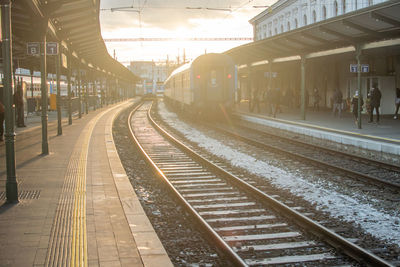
(331, 72)
(152, 75)
(287, 15)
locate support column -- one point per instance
(101, 92)
(58, 72)
(43, 85)
(31, 73)
(94, 93)
(303, 87)
(86, 96)
(11, 183)
(79, 91)
(69, 72)
(358, 55)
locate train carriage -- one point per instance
(205, 85)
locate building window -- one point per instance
(270, 33)
(370, 2)
(314, 16)
(344, 6)
(296, 24)
(276, 31)
(288, 26)
(281, 28)
(335, 9)
(305, 20)
(324, 12)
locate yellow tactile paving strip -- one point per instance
(68, 241)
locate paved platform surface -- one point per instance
(77, 206)
(383, 137)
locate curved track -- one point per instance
(251, 227)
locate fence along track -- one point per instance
(242, 225)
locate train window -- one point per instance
(213, 78)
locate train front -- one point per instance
(214, 83)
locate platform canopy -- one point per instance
(74, 24)
(377, 26)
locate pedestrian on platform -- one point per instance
(316, 99)
(19, 105)
(397, 102)
(354, 103)
(2, 110)
(337, 103)
(255, 103)
(375, 103)
(276, 100)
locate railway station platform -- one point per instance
(383, 137)
(76, 205)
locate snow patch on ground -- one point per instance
(347, 207)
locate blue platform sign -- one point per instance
(364, 68)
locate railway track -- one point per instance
(251, 227)
(363, 169)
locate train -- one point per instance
(206, 85)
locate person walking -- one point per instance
(337, 103)
(354, 104)
(397, 102)
(375, 103)
(276, 98)
(316, 99)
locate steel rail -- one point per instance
(380, 163)
(220, 243)
(354, 251)
(372, 179)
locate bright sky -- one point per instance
(172, 19)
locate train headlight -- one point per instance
(229, 76)
(198, 76)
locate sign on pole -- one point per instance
(364, 68)
(52, 48)
(33, 49)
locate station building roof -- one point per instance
(377, 26)
(73, 23)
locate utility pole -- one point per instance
(11, 183)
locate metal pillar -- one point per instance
(303, 87)
(86, 97)
(101, 92)
(31, 73)
(69, 72)
(358, 54)
(11, 183)
(58, 72)
(94, 93)
(79, 92)
(43, 72)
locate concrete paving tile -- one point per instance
(44, 241)
(131, 262)
(139, 223)
(93, 263)
(40, 257)
(148, 243)
(110, 263)
(127, 250)
(107, 253)
(156, 260)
